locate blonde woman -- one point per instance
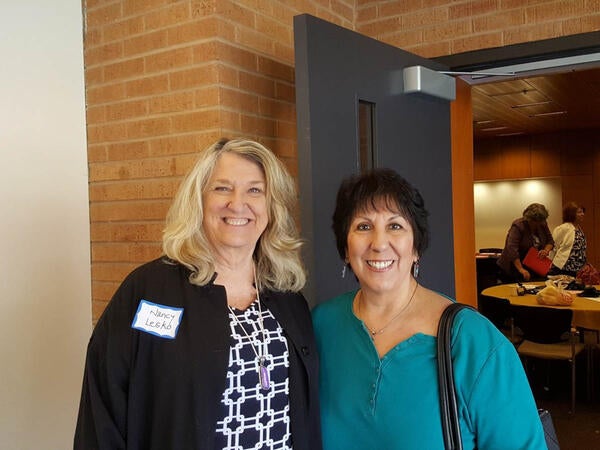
(210, 346)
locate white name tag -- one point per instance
(157, 319)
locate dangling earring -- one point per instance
(416, 268)
(344, 270)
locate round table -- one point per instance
(586, 312)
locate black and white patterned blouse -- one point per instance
(252, 417)
(577, 258)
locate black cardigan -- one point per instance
(143, 392)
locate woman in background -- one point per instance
(210, 346)
(377, 345)
(569, 254)
(528, 231)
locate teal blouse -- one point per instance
(392, 402)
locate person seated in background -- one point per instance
(528, 231)
(569, 253)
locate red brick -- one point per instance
(274, 29)
(107, 93)
(204, 52)
(124, 69)
(489, 40)
(277, 109)
(285, 92)
(133, 190)
(96, 152)
(236, 56)
(188, 32)
(132, 7)
(168, 60)
(558, 10)
(148, 42)
(395, 8)
(200, 8)
(171, 15)
(131, 252)
(449, 30)
(128, 170)
(126, 110)
(122, 231)
(147, 86)
(121, 30)
(366, 14)
(499, 21)
(148, 128)
(195, 121)
(274, 69)
(236, 13)
(426, 18)
(95, 114)
(285, 130)
(103, 53)
(473, 8)
(112, 271)
(106, 133)
(206, 97)
(127, 150)
(193, 78)
(243, 101)
(343, 9)
(140, 210)
(96, 17)
(254, 83)
(172, 102)
(183, 144)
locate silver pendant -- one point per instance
(263, 374)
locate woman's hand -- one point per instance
(526, 275)
(543, 253)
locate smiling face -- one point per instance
(235, 205)
(381, 249)
(580, 216)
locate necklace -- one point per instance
(374, 332)
(261, 356)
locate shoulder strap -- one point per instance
(448, 403)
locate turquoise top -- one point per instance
(392, 402)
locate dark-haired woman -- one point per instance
(530, 230)
(569, 255)
(378, 380)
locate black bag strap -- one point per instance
(448, 403)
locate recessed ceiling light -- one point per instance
(526, 105)
(554, 113)
(512, 134)
(494, 129)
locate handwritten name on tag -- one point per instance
(157, 319)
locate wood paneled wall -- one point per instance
(574, 156)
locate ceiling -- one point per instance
(537, 104)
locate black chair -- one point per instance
(547, 334)
(499, 312)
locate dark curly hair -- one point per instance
(362, 192)
(570, 212)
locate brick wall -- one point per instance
(165, 78)
(433, 28)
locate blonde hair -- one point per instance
(277, 252)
